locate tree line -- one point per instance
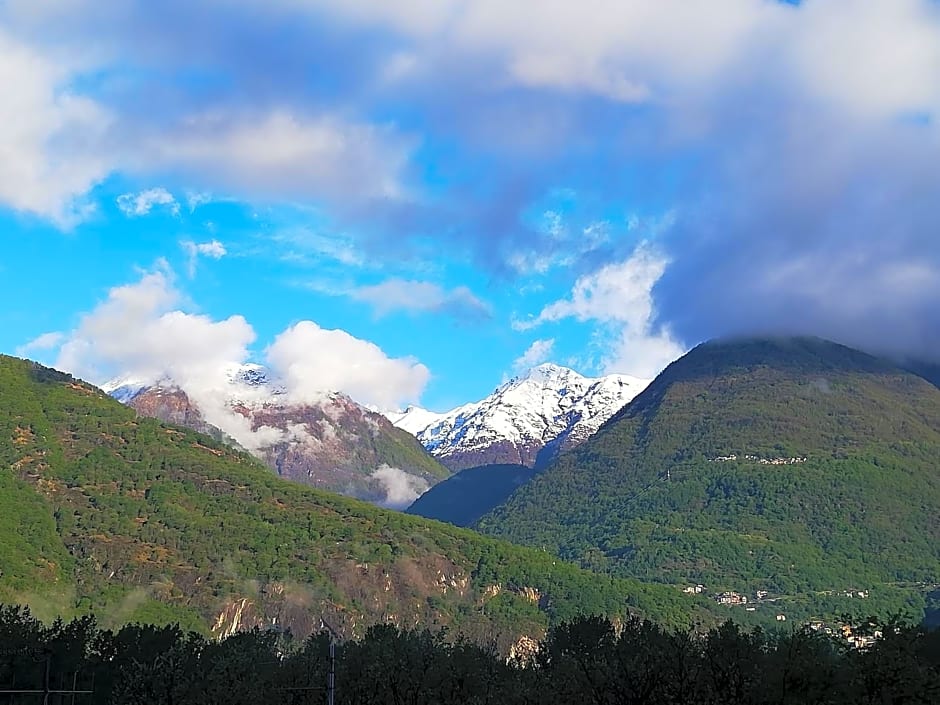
(588, 660)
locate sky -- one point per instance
(412, 201)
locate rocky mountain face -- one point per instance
(527, 421)
(171, 405)
(332, 443)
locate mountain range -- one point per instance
(335, 443)
(795, 469)
(526, 421)
(103, 510)
(793, 466)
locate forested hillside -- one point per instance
(794, 466)
(105, 511)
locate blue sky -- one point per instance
(411, 201)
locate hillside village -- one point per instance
(852, 635)
(758, 459)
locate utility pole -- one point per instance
(331, 674)
(331, 678)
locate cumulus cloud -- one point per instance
(212, 249)
(139, 330)
(400, 488)
(51, 138)
(135, 205)
(422, 297)
(620, 295)
(312, 361)
(535, 354)
(141, 333)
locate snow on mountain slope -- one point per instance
(331, 442)
(414, 419)
(126, 388)
(527, 420)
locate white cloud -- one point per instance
(621, 49)
(140, 332)
(46, 341)
(401, 488)
(563, 246)
(616, 292)
(556, 71)
(213, 249)
(535, 354)
(884, 61)
(421, 296)
(312, 361)
(196, 199)
(51, 139)
(284, 155)
(57, 144)
(194, 250)
(135, 205)
(620, 296)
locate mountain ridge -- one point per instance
(332, 442)
(527, 420)
(104, 510)
(790, 465)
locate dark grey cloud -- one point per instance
(825, 230)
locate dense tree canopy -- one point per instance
(588, 661)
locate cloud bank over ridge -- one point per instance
(143, 331)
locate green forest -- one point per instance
(797, 467)
(102, 511)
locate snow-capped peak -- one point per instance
(548, 406)
(550, 373)
(413, 419)
(240, 383)
(249, 373)
(127, 387)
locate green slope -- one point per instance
(101, 510)
(466, 496)
(646, 496)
